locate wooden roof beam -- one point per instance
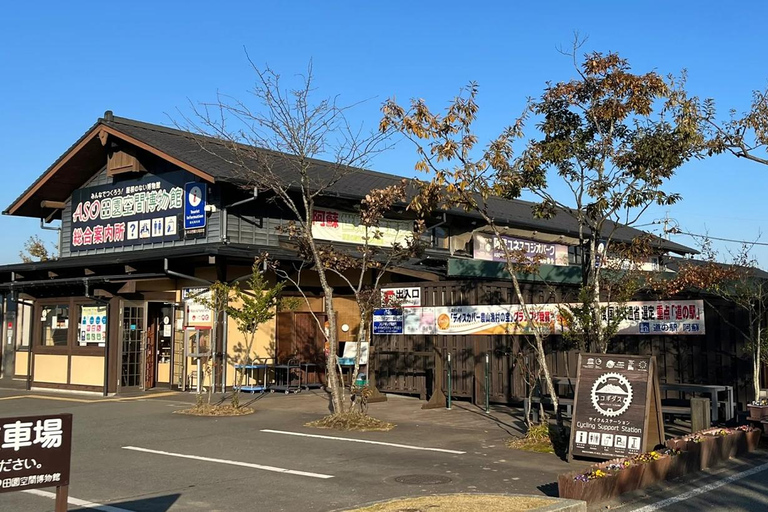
(55, 205)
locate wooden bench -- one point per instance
(674, 410)
(546, 400)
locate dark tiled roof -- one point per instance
(356, 184)
(218, 159)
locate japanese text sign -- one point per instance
(491, 248)
(617, 406)
(129, 212)
(338, 226)
(401, 297)
(35, 452)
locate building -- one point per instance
(149, 219)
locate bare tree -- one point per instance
(274, 143)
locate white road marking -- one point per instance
(406, 446)
(701, 490)
(76, 502)
(230, 462)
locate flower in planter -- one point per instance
(760, 403)
(590, 475)
(645, 458)
(746, 428)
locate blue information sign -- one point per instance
(387, 321)
(194, 205)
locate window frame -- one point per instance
(72, 346)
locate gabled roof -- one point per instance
(72, 170)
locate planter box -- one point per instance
(710, 451)
(758, 412)
(617, 482)
(752, 440)
(593, 491)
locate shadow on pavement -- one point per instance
(549, 489)
(155, 504)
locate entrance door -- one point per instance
(132, 338)
(150, 354)
(159, 345)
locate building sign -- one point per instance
(131, 212)
(387, 321)
(93, 326)
(644, 318)
(489, 247)
(35, 452)
(195, 200)
(641, 318)
(495, 319)
(617, 408)
(196, 314)
(339, 226)
(401, 297)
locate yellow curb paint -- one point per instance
(91, 401)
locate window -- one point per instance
(91, 325)
(55, 320)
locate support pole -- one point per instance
(62, 496)
(487, 384)
(450, 380)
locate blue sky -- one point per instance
(64, 63)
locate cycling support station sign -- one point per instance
(195, 200)
(35, 452)
(617, 407)
(388, 321)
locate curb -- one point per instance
(556, 504)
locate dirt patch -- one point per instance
(352, 421)
(459, 503)
(216, 410)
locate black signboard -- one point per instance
(617, 408)
(128, 212)
(35, 451)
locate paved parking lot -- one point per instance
(137, 455)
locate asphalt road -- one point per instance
(738, 486)
(105, 472)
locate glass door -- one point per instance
(132, 336)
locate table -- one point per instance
(709, 389)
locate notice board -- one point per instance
(617, 407)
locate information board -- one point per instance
(617, 407)
(387, 321)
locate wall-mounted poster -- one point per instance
(93, 326)
(128, 212)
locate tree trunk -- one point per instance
(756, 363)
